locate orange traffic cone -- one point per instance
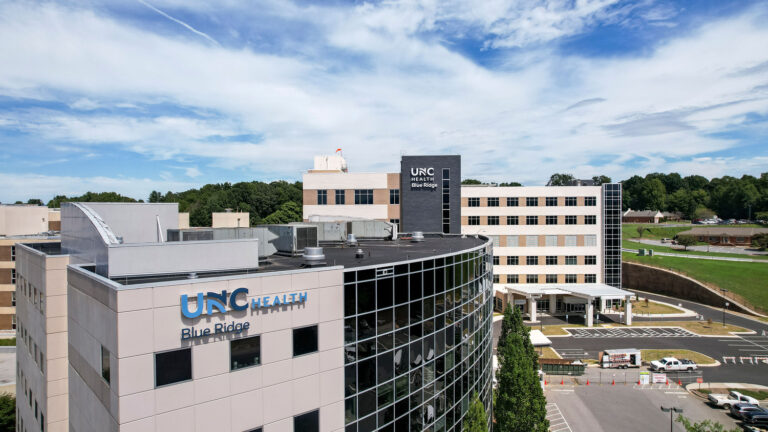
(638, 381)
(545, 383)
(562, 381)
(613, 382)
(667, 381)
(680, 383)
(587, 381)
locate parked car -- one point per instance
(756, 417)
(666, 240)
(673, 364)
(738, 410)
(730, 399)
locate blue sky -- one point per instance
(173, 94)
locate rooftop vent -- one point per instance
(192, 275)
(351, 240)
(314, 256)
(359, 254)
(417, 237)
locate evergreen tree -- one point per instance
(475, 420)
(7, 412)
(520, 403)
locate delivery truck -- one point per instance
(620, 358)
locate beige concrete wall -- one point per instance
(231, 220)
(183, 220)
(23, 220)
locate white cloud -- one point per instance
(401, 93)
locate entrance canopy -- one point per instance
(583, 290)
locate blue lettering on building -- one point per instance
(211, 302)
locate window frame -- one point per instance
(571, 220)
(340, 193)
(394, 196)
(108, 371)
(571, 201)
(233, 341)
(550, 260)
(534, 218)
(473, 202)
(317, 338)
(513, 202)
(590, 201)
(515, 220)
(531, 260)
(473, 220)
(493, 220)
(531, 278)
(513, 260)
(363, 196)
(315, 412)
(551, 220)
(322, 197)
(550, 201)
(590, 220)
(492, 201)
(531, 201)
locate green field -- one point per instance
(747, 280)
(654, 232)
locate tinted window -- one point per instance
(304, 340)
(244, 352)
(308, 422)
(173, 366)
(105, 364)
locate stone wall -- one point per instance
(660, 281)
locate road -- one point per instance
(719, 249)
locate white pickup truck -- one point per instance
(673, 364)
(732, 398)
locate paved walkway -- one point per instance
(703, 257)
(700, 248)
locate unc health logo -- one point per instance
(211, 302)
(422, 171)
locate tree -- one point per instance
(520, 402)
(653, 195)
(560, 179)
(601, 179)
(471, 182)
(640, 230)
(7, 412)
(475, 420)
(762, 216)
(704, 426)
(703, 213)
(686, 241)
(760, 241)
(155, 197)
(35, 201)
(510, 184)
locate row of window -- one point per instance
(548, 260)
(34, 350)
(362, 196)
(548, 240)
(548, 278)
(35, 297)
(531, 220)
(589, 201)
(39, 357)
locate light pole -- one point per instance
(725, 303)
(671, 411)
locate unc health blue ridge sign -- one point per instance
(212, 303)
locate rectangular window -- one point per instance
(322, 197)
(495, 260)
(495, 278)
(512, 202)
(473, 220)
(531, 279)
(570, 220)
(304, 340)
(513, 220)
(590, 260)
(13, 298)
(395, 221)
(551, 260)
(590, 219)
(531, 241)
(590, 201)
(551, 220)
(590, 278)
(570, 201)
(364, 196)
(513, 279)
(570, 260)
(531, 220)
(13, 276)
(551, 240)
(13, 253)
(513, 260)
(394, 196)
(590, 240)
(551, 201)
(495, 240)
(570, 278)
(341, 197)
(308, 422)
(173, 366)
(551, 278)
(493, 202)
(105, 372)
(244, 352)
(570, 240)
(493, 220)
(531, 260)
(513, 241)
(473, 202)
(532, 201)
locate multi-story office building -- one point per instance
(19, 223)
(557, 250)
(161, 335)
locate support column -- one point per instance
(628, 310)
(532, 309)
(590, 311)
(602, 305)
(552, 304)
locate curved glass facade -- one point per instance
(418, 342)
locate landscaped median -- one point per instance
(700, 359)
(702, 328)
(650, 307)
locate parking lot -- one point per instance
(557, 422)
(630, 332)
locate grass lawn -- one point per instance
(8, 342)
(653, 307)
(757, 394)
(655, 232)
(549, 353)
(657, 354)
(747, 280)
(635, 245)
